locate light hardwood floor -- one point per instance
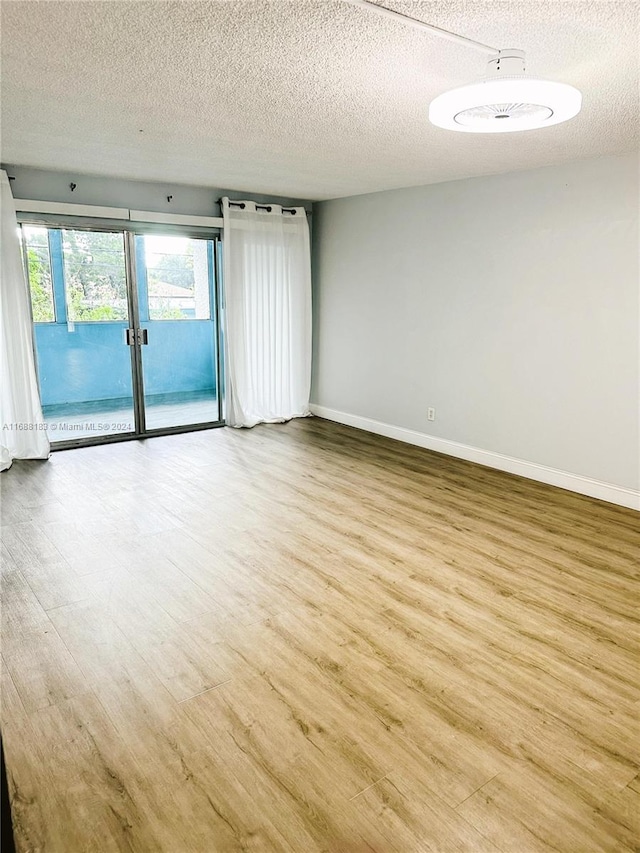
(306, 638)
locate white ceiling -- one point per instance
(308, 98)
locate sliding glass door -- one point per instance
(177, 305)
(80, 307)
(125, 331)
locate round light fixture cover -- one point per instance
(504, 104)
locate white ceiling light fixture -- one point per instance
(505, 100)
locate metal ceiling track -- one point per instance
(421, 25)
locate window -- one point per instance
(38, 258)
(95, 276)
(177, 278)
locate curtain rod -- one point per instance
(267, 207)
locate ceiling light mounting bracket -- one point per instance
(508, 63)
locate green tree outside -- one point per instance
(95, 276)
(41, 292)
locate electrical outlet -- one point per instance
(431, 414)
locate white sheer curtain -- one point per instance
(23, 434)
(267, 284)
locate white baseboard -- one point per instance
(542, 473)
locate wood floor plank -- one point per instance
(191, 794)
(56, 584)
(402, 720)
(141, 619)
(93, 553)
(16, 539)
(22, 613)
(187, 667)
(306, 638)
(28, 779)
(95, 800)
(43, 670)
(402, 809)
(221, 577)
(536, 811)
(96, 643)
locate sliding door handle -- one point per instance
(136, 337)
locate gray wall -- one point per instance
(508, 303)
(140, 195)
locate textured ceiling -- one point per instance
(308, 98)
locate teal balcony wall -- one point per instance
(90, 361)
